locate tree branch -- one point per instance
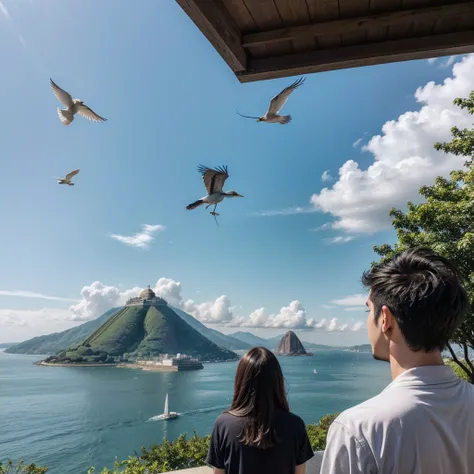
(466, 358)
(463, 367)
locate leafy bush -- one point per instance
(21, 468)
(457, 369)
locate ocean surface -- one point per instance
(72, 418)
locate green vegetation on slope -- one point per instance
(142, 332)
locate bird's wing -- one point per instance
(280, 99)
(214, 179)
(71, 174)
(89, 114)
(63, 97)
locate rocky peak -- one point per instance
(290, 345)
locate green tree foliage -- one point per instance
(457, 369)
(20, 468)
(318, 433)
(445, 223)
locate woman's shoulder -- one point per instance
(226, 418)
(291, 418)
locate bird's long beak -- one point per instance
(239, 195)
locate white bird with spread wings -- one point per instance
(74, 106)
(68, 177)
(214, 180)
(276, 104)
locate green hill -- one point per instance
(59, 341)
(146, 332)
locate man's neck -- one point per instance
(405, 359)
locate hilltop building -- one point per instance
(147, 298)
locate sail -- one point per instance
(166, 412)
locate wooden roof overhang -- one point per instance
(266, 39)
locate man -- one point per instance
(423, 421)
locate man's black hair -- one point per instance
(425, 294)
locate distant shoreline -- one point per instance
(47, 364)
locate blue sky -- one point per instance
(170, 101)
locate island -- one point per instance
(146, 329)
(290, 345)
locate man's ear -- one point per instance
(386, 318)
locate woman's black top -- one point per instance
(228, 453)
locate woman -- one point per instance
(258, 434)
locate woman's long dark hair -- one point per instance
(259, 391)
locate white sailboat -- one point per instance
(168, 414)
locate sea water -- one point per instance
(69, 419)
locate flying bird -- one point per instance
(214, 180)
(74, 106)
(276, 104)
(67, 179)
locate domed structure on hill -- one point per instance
(147, 294)
(147, 297)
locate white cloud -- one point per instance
(96, 300)
(404, 158)
(326, 176)
(448, 62)
(141, 239)
(212, 312)
(432, 60)
(32, 294)
(352, 300)
(292, 316)
(340, 239)
(357, 142)
(4, 10)
(18, 325)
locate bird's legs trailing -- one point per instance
(214, 213)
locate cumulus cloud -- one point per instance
(141, 239)
(96, 300)
(404, 158)
(326, 176)
(293, 316)
(357, 142)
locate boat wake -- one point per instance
(191, 412)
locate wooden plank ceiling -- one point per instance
(266, 39)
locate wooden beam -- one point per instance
(358, 55)
(356, 24)
(217, 25)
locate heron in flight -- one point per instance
(276, 104)
(74, 106)
(68, 177)
(214, 180)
